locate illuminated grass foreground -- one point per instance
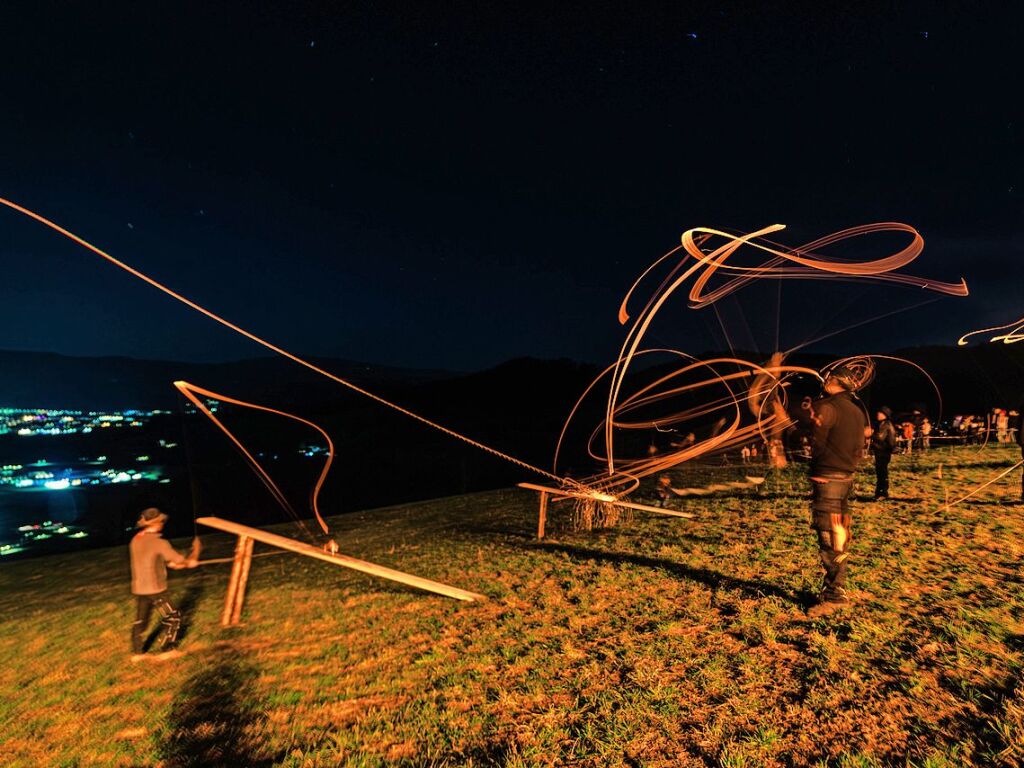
(658, 643)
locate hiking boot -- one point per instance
(829, 601)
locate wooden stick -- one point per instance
(236, 571)
(344, 561)
(243, 579)
(617, 502)
(217, 560)
(543, 515)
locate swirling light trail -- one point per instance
(701, 262)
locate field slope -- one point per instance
(663, 642)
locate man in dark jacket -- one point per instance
(839, 427)
(883, 443)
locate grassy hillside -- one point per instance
(662, 643)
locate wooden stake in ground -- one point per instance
(243, 559)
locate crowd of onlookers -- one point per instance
(914, 432)
(999, 425)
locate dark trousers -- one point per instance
(830, 506)
(882, 474)
(170, 620)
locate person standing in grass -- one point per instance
(883, 443)
(839, 425)
(1020, 442)
(151, 556)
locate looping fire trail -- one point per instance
(700, 259)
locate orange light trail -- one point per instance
(1015, 334)
(276, 349)
(191, 391)
(701, 261)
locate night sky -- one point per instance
(452, 188)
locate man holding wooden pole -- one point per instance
(151, 556)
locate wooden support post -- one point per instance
(243, 580)
(236, 573)
(542, 518)
(236, 585)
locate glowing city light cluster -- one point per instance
(42, 476)
(27, 422)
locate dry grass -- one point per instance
(661, 642)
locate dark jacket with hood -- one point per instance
(883, 439)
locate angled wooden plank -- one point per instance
(282, 542)
(611, 500)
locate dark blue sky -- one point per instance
(450, 188)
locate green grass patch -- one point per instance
(662, 642)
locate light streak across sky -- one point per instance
(267, 344)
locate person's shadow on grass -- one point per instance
(216, 719)
(710, 578)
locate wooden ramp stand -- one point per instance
(561, 494)
(243, 559)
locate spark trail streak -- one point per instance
(276, 349)
(1015, 334)
(191, 391)
(981, 487)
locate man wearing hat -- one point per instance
(883, 443)
(837, 442)
(151, 555)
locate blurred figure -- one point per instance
(1002, 425)
(908, 436)
(836, 448)
(883, 443)
(664, 490)
(926, 434)
(1020, 442)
